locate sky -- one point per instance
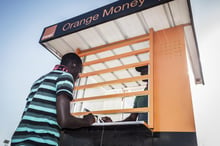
(23, 59)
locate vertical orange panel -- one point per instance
(151, 104)
(172, 96)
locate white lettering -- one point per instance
(106, 13)
(134, 3)
(118, 9)
(141, 2)
(84, 21)
(66, 26)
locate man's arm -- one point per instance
(64, 117)
(131, 117)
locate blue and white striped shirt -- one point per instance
(39, 120)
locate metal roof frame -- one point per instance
(118, 21)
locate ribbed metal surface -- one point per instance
(164, 16)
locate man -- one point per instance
(47, 110)
(140, 101)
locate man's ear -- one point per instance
(73, 65)
(75, 68)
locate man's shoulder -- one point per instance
(63, 75)
(59, 72)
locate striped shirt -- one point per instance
(141, 101)
(39, 125)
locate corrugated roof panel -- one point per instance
(112, 63)
(133, 72)
(160, 17)
(130, 26)
(193, 55)
(127, 74)
(91, 57)
(156, 18)
(98, 66)
(144, 56)
(52, 49)
(169, 14)
(95, 79)
(87, 69)
(61, 46)
(76, 41)
(131, 84)
(141, 45)
(122, 50)
(129, 60)
(121, 74)
(108, 76)
(104, 54)
(110, 32)
(180, 12)
(91, 37)
(90, 92)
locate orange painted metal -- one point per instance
(116, 111)
(151, 81)
(170, 103)
(129, 94)
(101, 60)
(113, 45)
(172, 96)
(114, 69)
(118, 81)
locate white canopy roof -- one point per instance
(127, 20)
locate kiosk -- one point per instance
(112, 41)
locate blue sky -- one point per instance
(23, 59)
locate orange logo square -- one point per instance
(49, 32)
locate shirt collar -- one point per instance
(61, 67)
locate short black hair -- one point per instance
(142, 68)
(70, 57)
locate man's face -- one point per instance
(76, 70)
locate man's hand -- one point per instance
(90, 118)
(106, 119)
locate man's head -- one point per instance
(143, 70)
(74, 64)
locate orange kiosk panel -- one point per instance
(173, 110)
